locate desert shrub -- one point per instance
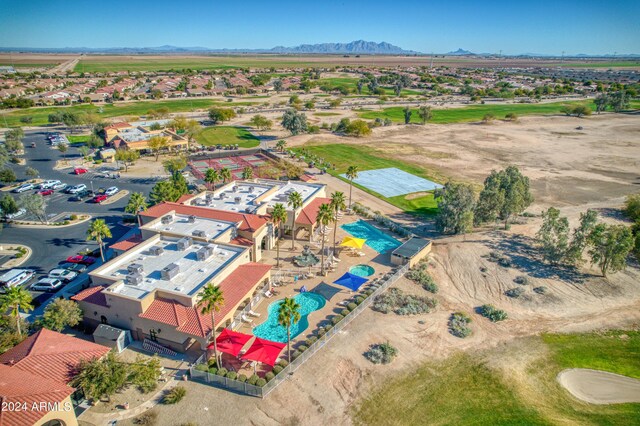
(359, 299)
(351, 306)
(381, 353)
(302, 348)
(395, 300)
(420, 276)
(175, 395)
(202, 367)
(232, 375)
(368, 292)
(328, 327)
(483, 269)
(253, 379)
(73, 217)
(515, 292)
(528, 214)
(147, 418)
(212, 362)
(242, 378)
(66, 222)
(540, 290)
(283, 363)
(277, 369)
(493, 314)
(311, 340)
(213, 370)
(222, 372)
(321, 332)
(459, 324)
(511, 116)
(336, 319)
(261, 382)
(505, 262)
(522, 280)
(344, 312)
(494, 256)
(269, 376)
(296, 354)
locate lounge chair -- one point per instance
(246, 319)
(361, 253)
(268, 294)
(253, 314)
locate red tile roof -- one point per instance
(51, 355)
(241, 241)
(189, 320)
(184, 197)
(126, 244)
(119, 125)
(93, 295)
(250, 222)
(309, 214)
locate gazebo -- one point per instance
(351, 281)
(264, 351)
(231, 342)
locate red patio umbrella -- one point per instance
(231, 342)
(264, 351)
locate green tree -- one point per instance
(144, 373)
(553, 236)
(352, 173)
(61, 313)
(278, 218)
(8, 205)
(137, 203)
(358, 128)
(407, 115)
(98, 378)
(128, 157)
(175, 164)
(632, 207)
(225, 174)
(277, 85)
(156, 144)
(281, 144)
(294, 122)
(15, 299)
(456, 204)
(295, 202)
(619, 101)
(288, 314)
(163, 191)
(326, 215)
(261, 122)
(7, 176)
(581, 236)
(211, 301)
(211, 176)
(84, 152)
(337, 204)
(220, 115)
(505, 193)
(247, 173)
(425, 114)
(31, 172)
(609, 247)
(580, 110)
(34, 204)
(98, 231)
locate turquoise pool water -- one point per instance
(376, 239)
(362, 270)
(271, 330)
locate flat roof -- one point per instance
(412, 247)
(239, 197)
(192, 273)
(306, 190)
(186, 225)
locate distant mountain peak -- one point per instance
(354, 47)
(460, 52)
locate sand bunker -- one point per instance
(600, 387)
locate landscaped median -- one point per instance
(60, 221)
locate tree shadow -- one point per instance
(66, 242)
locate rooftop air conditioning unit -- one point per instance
(237, 200)
(251, 189)
(156, 250)
(166, 219)
(199, 233)
(170, 271)
(135, 268)
(248, 210)
(209, 198)
(192, 219)
(204, 253)
(134, 279)
(184, 243)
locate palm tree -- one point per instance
(16, 298)
(98, 231)
(225, 174)
(337, 203)
(278, 217)
(211, 176)
(326, 215)
(295, 202)
(247, 173)
(137, 203)
(288, 314)
(211, 300)
(352, 173)
(281, 144)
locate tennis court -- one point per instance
(235, 164)
(392, 182)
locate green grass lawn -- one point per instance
(124, 109)
(476, 112)
(343, 156)
(325, 114)
(464, 389)
(78, 139)
(227, 135)
(351, 83)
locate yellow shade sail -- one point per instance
(353, 242)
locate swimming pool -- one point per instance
(271, 330)
(362, 270)
(376, 239)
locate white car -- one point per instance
(47, 184)
(77, 188)
(63, 275)
(19, 213)
(47, 284)
(15, 277)
(24, 187)
(111, 191)
(59, 185)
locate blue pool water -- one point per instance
(376, 239)
(271, 330)
(362, 270)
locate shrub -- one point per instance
(148, 418)
(540, 290)
(395, 300)
(212, 362)
(269, 376)
(458, 324)
(277, 369)
(515, 292)
(344, 312)
(493, 314)
(351, 306)
(73, 217)
(175, 395)
(359, 299)
(522, 280)
(222, 372)
(381, 353)
(202, 367)
(283, 363)
(232, 375)
(311, 340)
(511, 116)
(296, 354)
(261, 382)
(98, 162)
(253, 379)
(321, 332)
(336, 319)
(213, 370)
(328, 328)
(505, 262)
(242, 378)
(302, 348)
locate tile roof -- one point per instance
(128, 243)
(250, 222)
(51, 355)
(119, 125)
(241, 241)
(309, 214)
(93, 295)
(189, 320)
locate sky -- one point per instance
(480, 26)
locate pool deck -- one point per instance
(289, 288)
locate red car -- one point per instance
(80, 170)
(100, 198)
(85, 260)
(44, 192)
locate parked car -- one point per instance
(63, 275)
(82, 195)
(48, 184)
(111, 191)
(73, 267)
(59, 185)
(16, 277)
(100, 198)
(78, 258)
(76, 188)
(80, 170)
(19, 213)
(24, 187)
(47, 284)
(45, 192)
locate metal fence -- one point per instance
(247, 389)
